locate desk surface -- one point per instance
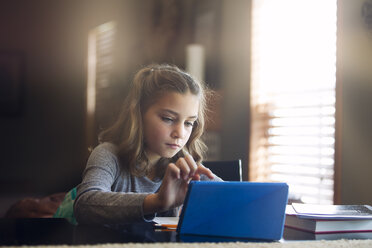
(60, 231)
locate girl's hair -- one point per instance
(148, 85)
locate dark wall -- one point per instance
(235, 81)
(355, 98)
(44, 146)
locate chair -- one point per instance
(227, 170)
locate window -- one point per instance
(293, 99)
(100, 59)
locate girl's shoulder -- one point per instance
(106, 146)
(105, 149)
(105, 156)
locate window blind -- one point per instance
(100, 60)
(293, 79)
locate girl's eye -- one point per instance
(167, 119)
(189, 124)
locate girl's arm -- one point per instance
(173, 190)
(108, 194)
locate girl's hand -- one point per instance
(173, 189)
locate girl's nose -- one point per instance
(178, 132)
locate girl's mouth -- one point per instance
(174, 146)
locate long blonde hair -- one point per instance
(150, 83)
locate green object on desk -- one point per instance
(66, 209)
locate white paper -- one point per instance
(166, 220)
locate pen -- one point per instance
(167, 226)
(163, 229)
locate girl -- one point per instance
(145, 161)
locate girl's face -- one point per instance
(168, 124)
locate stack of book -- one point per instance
(329, 221)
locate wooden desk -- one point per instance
(17, 232)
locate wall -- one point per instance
(235, 78)
(355, 75)
(43, 149)
(42, 144)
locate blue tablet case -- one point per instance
(234, 209)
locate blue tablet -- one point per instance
(249, 210)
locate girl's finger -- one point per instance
(184, 167)
(174, 170)
(196, 177)
(191, 163)
(203, 170)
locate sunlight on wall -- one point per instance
(91, 83)
(100, 60)
(100, 46)
(293, 95)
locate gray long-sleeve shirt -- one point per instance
(110, 194)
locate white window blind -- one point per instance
(293, 81)
(100, 60)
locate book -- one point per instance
(333, 211)
(322, 222)
(294, 234)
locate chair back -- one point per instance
(230, 170)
